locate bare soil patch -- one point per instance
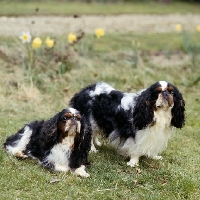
(58, 25)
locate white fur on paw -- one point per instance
(97, 142)
(81, 171)
(20, 154)
(93, 149)
(158, 157)
(133, 163)
(86, 175)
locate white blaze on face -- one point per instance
(73, 128)
(163, 85)
(73, 111)
(161, 101)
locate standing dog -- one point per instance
(136, 123)
(60, 143)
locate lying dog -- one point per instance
(136, 123)
(60, 143)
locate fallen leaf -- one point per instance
(54, 180)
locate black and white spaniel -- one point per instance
(136, 123)
(61, 143)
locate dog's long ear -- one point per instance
(86, 134)
(49, 132)
(82, 145)
(178, 110)
(143, 111)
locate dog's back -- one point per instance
(104, 108)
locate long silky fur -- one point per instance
(178, 111)
(132, 120)
(142, 111)
(45, 135)
(82, 145)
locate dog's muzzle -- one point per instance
(165, 95)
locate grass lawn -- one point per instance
(115, 60)
(52, 7)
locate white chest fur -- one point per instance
(59, 156)
(152, 140)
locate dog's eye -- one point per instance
(64, 118)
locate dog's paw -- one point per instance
(86, 175)
(20, 154)
(93, 149)
(81, 172)
(97, 142)
(157, 157)
(134, 162)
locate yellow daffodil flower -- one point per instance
(37, 42)
(178, 27)
(72, 38)
(198, 28)
(135, 43)
(49, 42)
(25, 37)
(99, 32)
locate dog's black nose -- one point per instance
(73, 120)
(165, 95)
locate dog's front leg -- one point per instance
(96, 141)
(93, 148)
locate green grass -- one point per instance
(108, 59)
(18, 8)
(148, 41)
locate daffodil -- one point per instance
(25, 37)
(198, 28)
(99, 32)
(37, 42)
(49, 42)
(72, 38)
(178, 27)
(135, 43)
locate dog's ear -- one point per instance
(178, 110)
(49, 132)
(85, 134)
(143, 111)
(82, 145)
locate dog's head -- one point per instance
(69, 122)
(159, 96)
(63, 124)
